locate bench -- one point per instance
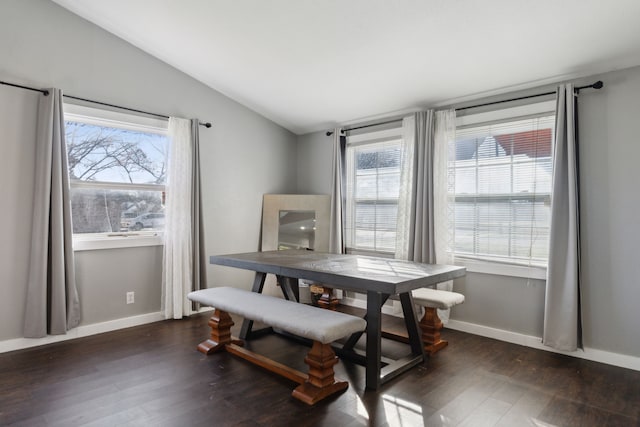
(430, 324)
(319, 325)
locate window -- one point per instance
(373, 186)
(117, 170)
(500, 186)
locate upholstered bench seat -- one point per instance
(310, 322)
(430, 324)
(435, 298)
(321, 326)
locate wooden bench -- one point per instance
(319, 325)
(430, 324)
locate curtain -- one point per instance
(423, 233)
(336, 225)
(183, 265)
(444, 137)
(52, 304)
(406, 202)
(562, 313)
(199, 254)
(415, 242)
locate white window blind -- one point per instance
(373, 183)
(500, 189)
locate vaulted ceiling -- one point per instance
(310, 64)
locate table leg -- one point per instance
(355, 337)
(289, 287)
(374, 346)
(411, 321)
(258, 284)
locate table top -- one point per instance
(354, 272)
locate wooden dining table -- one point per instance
(376, 277)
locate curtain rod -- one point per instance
(46, 93)
(596, 85)
(329, 133)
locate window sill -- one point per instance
(379, 254)
(103, 241)
(486, 267)
(479, 266)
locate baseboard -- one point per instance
(81, 331)
(595, 355)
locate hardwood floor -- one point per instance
(152, 375)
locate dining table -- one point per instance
(377, 277)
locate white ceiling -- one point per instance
(310, 64)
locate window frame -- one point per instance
(127, 121)
(478, 264)
(361, 139)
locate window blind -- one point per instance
(373, 183)
(500, 189)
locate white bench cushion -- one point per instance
(315, 323)
(428, 297)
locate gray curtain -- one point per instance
(336, 225)
(421, 236)
(422, 206)
(197, 225)
(52, 304)
(562, 314)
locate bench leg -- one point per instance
(328, 299)
(220, 324)
(430, 324)
(321, 382)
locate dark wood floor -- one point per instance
(152, 375)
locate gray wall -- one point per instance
(610, 206)
(609, 173)
(104, 276)
(243, 155)
(315, 154)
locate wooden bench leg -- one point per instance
(321, 382)
(328, 299)
(430, 324)
(220, 324)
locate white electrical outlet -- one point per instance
(131, 297)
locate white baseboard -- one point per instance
(595, 355)
(81, 331)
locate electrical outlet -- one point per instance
(131, 297)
